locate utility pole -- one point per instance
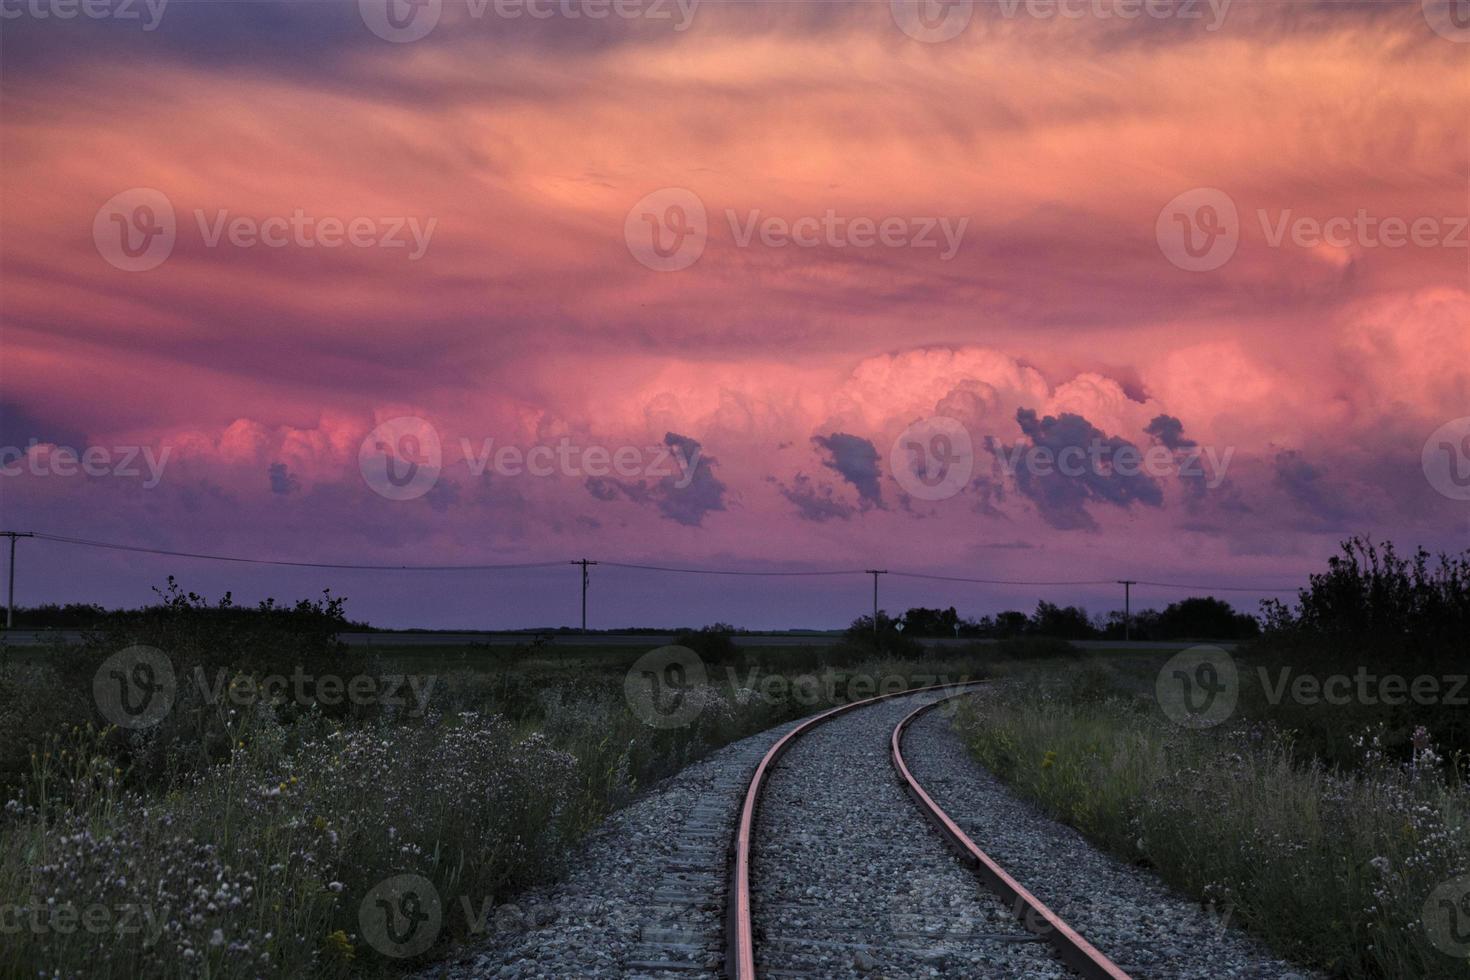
(875, 572)
(10, 602)
(1127, 584)
(585, 577)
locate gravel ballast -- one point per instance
(1126, 912)
(847, 879)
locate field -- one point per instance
(287, 780)
(1353, 869)
(240, 834)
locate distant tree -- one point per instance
(1061, 622)
(1206, 618)
(1010, 623)
(921, 621)
(890, 638)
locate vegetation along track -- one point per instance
(835, 873)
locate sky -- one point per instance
(1024, 292)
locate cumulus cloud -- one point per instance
(1062, 490)
(856, 460)
(814, 502)
(686, 495)
(282, 480)
(1169, 432)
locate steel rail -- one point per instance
(1073, 950)
(739, 937)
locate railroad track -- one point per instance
(829, 876)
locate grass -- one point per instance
(241, 840)
(1332, 867)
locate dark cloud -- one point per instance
(602, 488)
(856, 460)
(443, 495)
(283, 481)
(1168, 431)
(814, 502)
(701, 491)
(1309, 487)
(18, 427)
(1107, 471)
(685, 495)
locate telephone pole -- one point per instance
(875, 572)
(10, 601)
(1127, 584)
(585, 578)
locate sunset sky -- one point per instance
(498, 172)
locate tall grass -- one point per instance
(241, 841)
(1331, 869)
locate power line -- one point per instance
(293, 564)
(507, 566)
(730, 571)
(996, 581)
